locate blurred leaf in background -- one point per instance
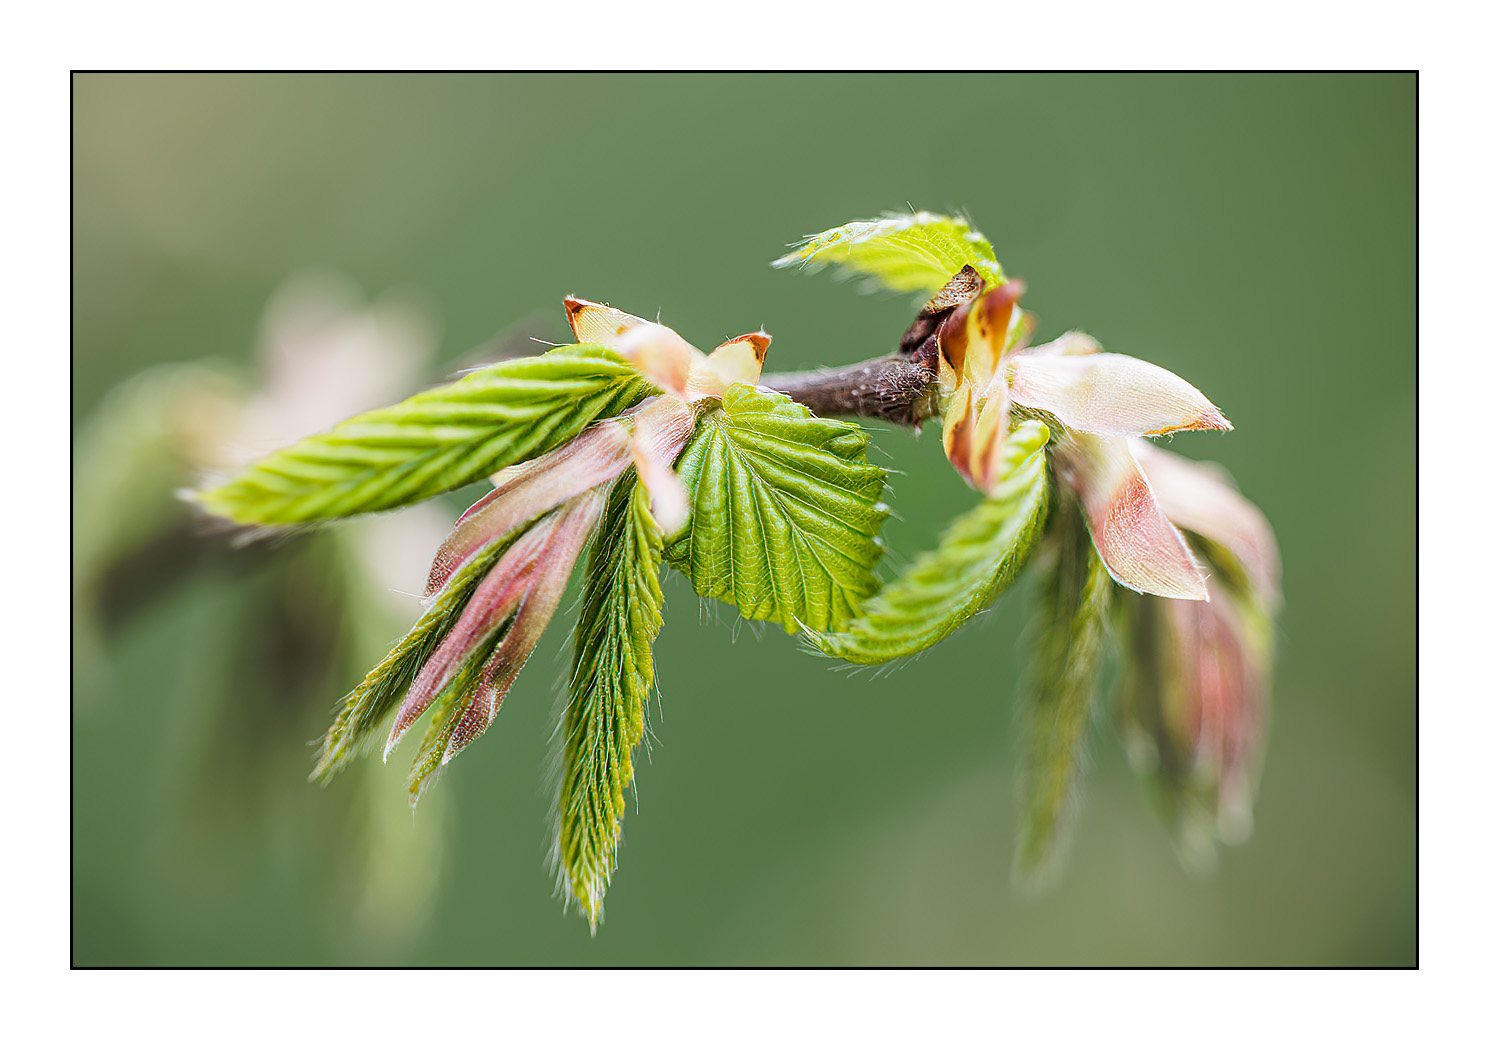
(306, 610)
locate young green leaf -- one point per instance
(367, 707)
(434, 441)
(1070, 643)
(604, 720)
(977, 560)
(917, 252)
(786, 512)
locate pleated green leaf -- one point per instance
(1070, 644)
(364, 710)
(786, 512)
(976, 561)
(917, 252)
(604, 719)
(434, 441)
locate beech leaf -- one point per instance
(1070, 644)
(434, 441)
(604, 719)
(917, 252)
(976, 561)
(786, 512)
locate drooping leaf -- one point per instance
(976, 561)
(365, 708)
(1070, 642)
(605, 716)
(786, 512)
(917, 252)
(1193, 702)
(434, 441)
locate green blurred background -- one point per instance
(1255, 234)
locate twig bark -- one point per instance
(900, 388)
(897, 389)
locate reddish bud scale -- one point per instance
(497, 597)
(597, 455)
(1139, 546)
(547, 578)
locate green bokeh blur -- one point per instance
(1255, 234)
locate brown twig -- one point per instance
(897, 389)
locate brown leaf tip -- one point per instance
(759, 343)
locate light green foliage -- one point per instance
(786, 512)
(605, 716)
(976, 561)
(365, 709)
(917, 252)
(1070, 642)
(434, 441)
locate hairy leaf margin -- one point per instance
(612, 676)
(432, 442)
(905, 252)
